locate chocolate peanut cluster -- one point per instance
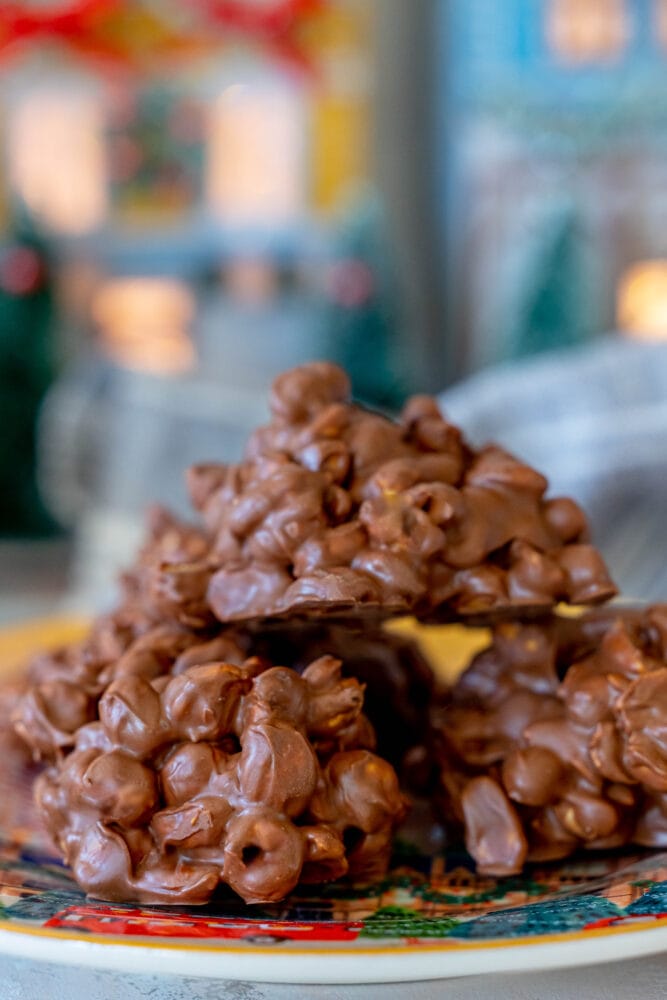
(170, 576)
(555, 739)
(62, 688)
(65, 686)
(18, 771)
(207, 772)
(178, 758)
(398, 680)
(338, 510)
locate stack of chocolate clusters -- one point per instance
(242, 716)
(555, 739)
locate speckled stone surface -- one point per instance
(640, 979)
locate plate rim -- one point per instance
(336, 967)
(399, 962)
(388, 960)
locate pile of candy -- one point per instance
(211, 729)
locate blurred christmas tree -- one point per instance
(362, 321)
(554, 311)
(26, 369)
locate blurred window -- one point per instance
(57, 160)
(144, 323)
(581, 31)
(251, 280)
(660, 22)
(255, 160)
(642, 300)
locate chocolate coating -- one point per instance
(18, 772)
(181, 758)
(336, 510)
(64, 687)
(555, 738)
(214, 772)
(397, 679)
(494, 835)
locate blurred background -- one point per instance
(466, 197)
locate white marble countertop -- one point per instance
(639, 979)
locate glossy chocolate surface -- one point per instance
(179, 758)
(336, 509)
(339, 511)
(211, 772)
(555, 739)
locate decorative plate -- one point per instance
(431, 917)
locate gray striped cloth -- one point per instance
(594, 420)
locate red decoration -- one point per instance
(106, 29)
(271, 22)
(21, 271)
(100, 918)
(351, 283)
(271, 17)
(19, 22)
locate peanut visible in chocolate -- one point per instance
(215, 772)
(555, 739)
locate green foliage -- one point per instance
(362, 335)
(26, 369)
(554, 310)
(398, 921)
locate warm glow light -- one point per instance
(642, 300)
(255, 161)
(144, 324)
(660, 19)
(251, 280)
(57, 161)
(580, 31)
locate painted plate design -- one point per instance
(431, 917)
